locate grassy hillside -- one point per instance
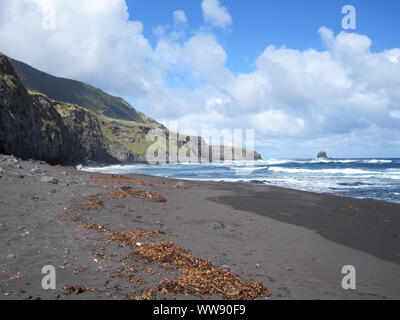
(79, 93)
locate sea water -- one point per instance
(360, 178)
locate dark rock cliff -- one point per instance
(31, 126)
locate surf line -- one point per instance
(164, 310)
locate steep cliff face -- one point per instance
(85, 130)
(28, 129)
(32, 126)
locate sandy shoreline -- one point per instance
(293, 242)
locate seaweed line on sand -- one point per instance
(199, 276)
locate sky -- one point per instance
(286, 69)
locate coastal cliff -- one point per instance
(34, 126)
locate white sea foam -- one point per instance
(377, 161)
(277, 161)
(351, 176)
(248, 169)
(329, 171)
(332, 161)
(114, 168)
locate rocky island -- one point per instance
(322, 155)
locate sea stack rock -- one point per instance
(322, 154)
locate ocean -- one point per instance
(359, 178)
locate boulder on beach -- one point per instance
(322, 154)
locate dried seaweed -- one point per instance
(127, 192)
(199, 276)
(150, 271)
(208, 281)
(78, 289)
(77, 271)
(125, 273)
(15, 277)
(93, 202)
(75, 218)
(350, 207)
(166, 252)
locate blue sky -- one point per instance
(291, 23)
(285, 69)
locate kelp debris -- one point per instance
(128, 192)
(78, 289)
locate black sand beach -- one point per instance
(120, 237)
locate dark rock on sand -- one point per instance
(11, 256)
(217, 226)
(3, 226)
(18, 175)
(49, 179)
(38, 171)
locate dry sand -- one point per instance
(295, 243)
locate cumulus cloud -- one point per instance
(345, 96)
(216, 14)
(93, 41)
(342, 91)
(179, 17)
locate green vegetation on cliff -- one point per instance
(7, 77)
(79, 93)
(131, 135)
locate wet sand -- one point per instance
(295, 243)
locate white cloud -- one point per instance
(93, 41)
(216, 14)
(297, 100)
(395, 114)
(180, 17)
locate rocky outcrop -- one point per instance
(224, 153)
(31, 126)
(28, 129)
(322, 155)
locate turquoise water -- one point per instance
(360, 178)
